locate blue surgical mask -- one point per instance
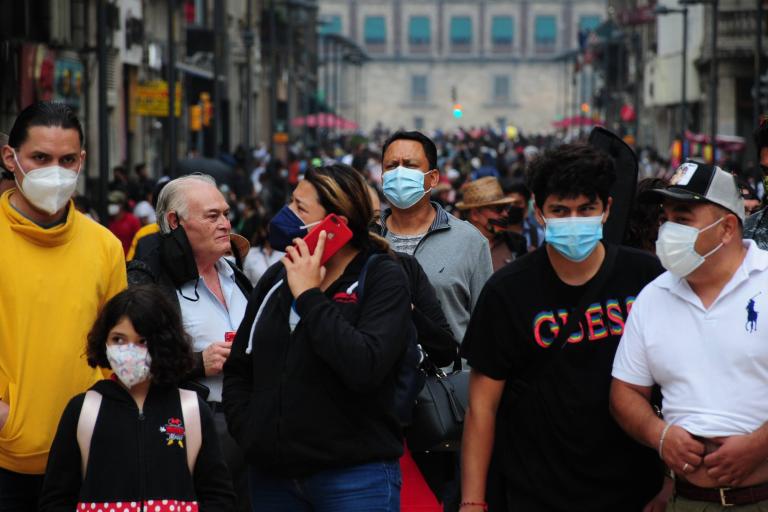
(284, 227)
(574, 237)
(404, 187)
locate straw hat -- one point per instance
(482, 192)
(241, 243)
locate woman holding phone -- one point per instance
(309, 386)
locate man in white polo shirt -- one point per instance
(696, 331)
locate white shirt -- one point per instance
(206, 320)
(711, 364)
(257, 262)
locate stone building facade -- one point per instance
(505, 62)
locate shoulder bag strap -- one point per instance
(360, 285)
(190, 410)
(85, 425)
(264, 301)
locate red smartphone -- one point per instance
(338, 234)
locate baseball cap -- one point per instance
(694, 181)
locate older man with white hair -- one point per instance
(188, 261)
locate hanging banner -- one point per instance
(152, 99)
(68, 82)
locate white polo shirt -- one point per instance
(711, 364)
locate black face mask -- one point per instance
(515, 215)
(178, 259)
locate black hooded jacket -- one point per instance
(320, 396)
(131, 459)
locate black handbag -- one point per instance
(438, 415)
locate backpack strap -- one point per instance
(264, 301)
(190, 410)
(85, 425)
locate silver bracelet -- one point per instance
(661, 441)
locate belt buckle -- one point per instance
(723, 500)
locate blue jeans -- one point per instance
(371, 487)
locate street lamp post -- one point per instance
(662, 10)
(103, 113)
(713, 78)
(713, 81)
(758, 63)
(172, 150)
(248, 40)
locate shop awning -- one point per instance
(325, 120)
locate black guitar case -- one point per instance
(623, 191)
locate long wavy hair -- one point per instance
(156, 320)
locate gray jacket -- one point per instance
(457, 259)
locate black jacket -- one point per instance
(130, 458)
(434, 332)
(323, 396)
(147, 267)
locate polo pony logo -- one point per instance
(751, 315)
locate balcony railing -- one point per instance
(736, 30)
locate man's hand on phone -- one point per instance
(5, 409)
(303, 269)
(215, 356)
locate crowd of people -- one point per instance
(241, 343)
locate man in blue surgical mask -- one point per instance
(454, 254)
(541, 342)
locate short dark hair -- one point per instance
(430, 150)
(44, 113)
(156, 319)
(569, 171)
(516, 187)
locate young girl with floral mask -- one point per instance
(134, 441)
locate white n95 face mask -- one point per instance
(48, 188)
(675, 247)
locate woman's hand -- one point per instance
(304, 269)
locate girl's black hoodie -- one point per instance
(133, 458)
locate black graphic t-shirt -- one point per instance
(556, 444)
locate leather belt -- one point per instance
(725, 496)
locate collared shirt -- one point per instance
(711, 364)
(533, 233)
(206, 320)
(457, 260)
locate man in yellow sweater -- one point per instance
(57, 269)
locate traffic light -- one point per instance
(205, 102)
(457, 111)
(195, 118)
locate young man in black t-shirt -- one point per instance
(539, 403)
